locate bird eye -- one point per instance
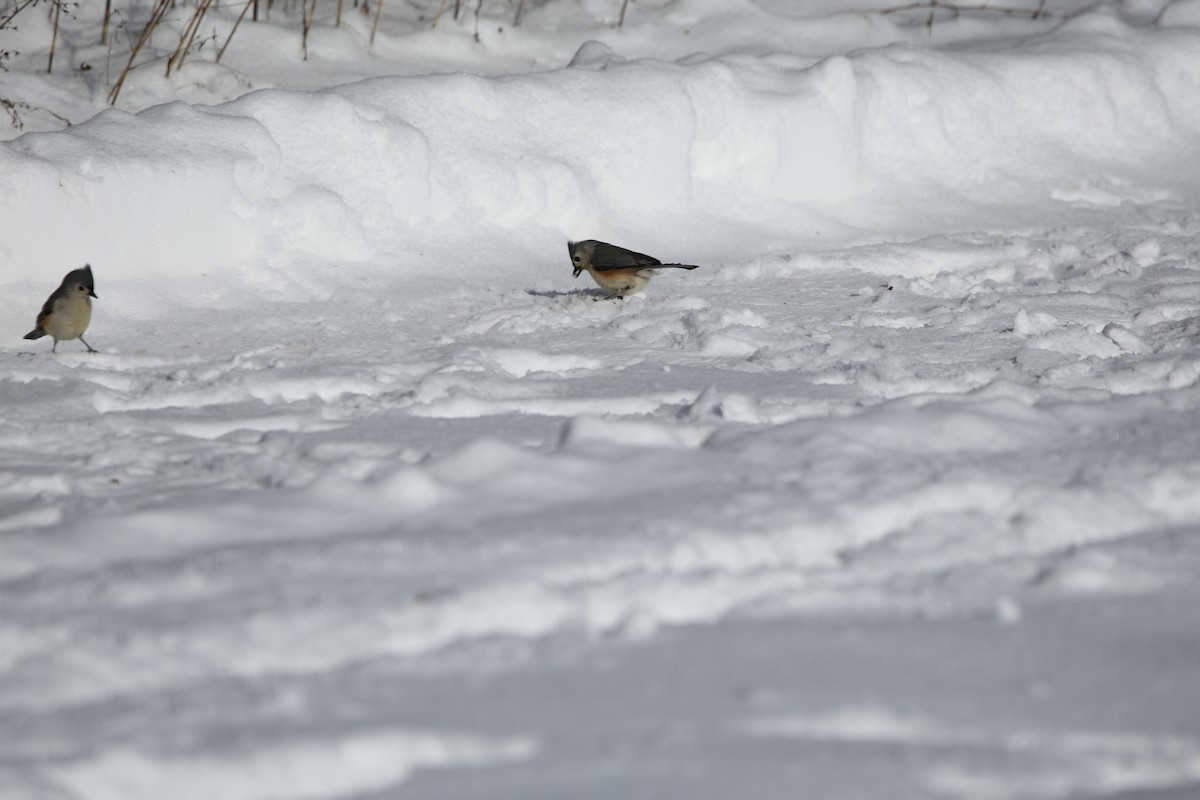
(575, 259)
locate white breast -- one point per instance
(70, 318)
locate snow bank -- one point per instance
(703, 158)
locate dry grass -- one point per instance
(954, 9)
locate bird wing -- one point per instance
(47, 309)
(608, 257)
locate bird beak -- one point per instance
(93, 294)
(577, 271)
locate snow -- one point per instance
(894, 496)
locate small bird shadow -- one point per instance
(36, 354)
(595, 294)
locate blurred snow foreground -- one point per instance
(897, 496)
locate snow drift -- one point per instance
(713, 156)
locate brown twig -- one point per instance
(156, 16)
(188, 36)
(438, 16)
(17, 10)
(478, 8)
(14, 106)
(958, 8)
(54, 36)
(621, 19)
(517, 16)
(375, 22)
(241, 16)
(308, 13)
(107, 15)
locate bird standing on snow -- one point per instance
(620, 271)
(69, 310)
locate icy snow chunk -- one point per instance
(1080, 341)
(1184, 375)
(1035, 324)
(720, 345)
(594, 55)
(1125, 339)
(743, 316)
(731, 407)
(1008, 612)
(707, 404)
(519, 362)
(738, 407)
(411, 487)
(1146, 252)
(584, 431)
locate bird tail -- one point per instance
(678, 266)
(36, 333)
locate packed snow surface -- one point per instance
(896, 496)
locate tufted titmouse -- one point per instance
(623, 272)
(68, 311)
